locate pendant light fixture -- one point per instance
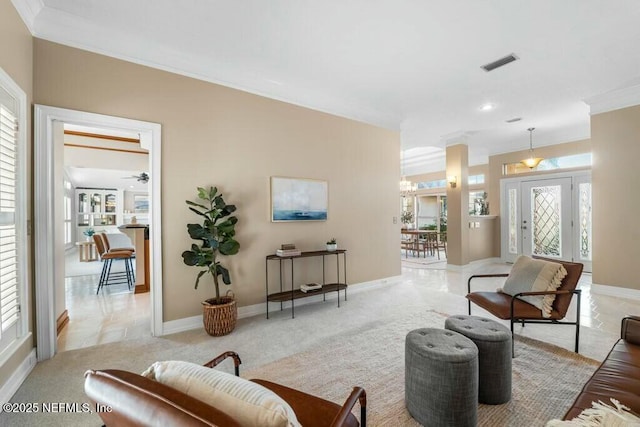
(532, 161)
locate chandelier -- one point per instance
(532, 161)
(407, 188)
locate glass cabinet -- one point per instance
(98, 209)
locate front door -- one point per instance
(549, 218)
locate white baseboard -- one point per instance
(474, 264)
(17, 378)
(615, 291)
(195, 322)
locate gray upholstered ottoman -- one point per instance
(494, 355)
(441, 378)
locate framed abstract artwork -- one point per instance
(140, 203)
(298, 199)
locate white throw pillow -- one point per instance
(246, 402)
(601, 414)
(534, 275)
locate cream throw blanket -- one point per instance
(601, 414)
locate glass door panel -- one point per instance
(83, 203)
(510, 224)
(96, 202)
(106, 220)
(582, 217)
(546, 218)
(110, 203)
(83, 220)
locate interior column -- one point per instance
(457, 204)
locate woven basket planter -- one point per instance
(219, 319)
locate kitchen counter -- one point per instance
(139, 235)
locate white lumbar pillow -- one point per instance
(247, 402)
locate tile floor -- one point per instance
(118, 314)
(115, 314)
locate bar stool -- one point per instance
(108, 248)
(107, 258)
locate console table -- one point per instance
(295, 293)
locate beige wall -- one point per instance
(615, 139)
(495, 174)
(16, 59)
(481, 244)
(212, 135)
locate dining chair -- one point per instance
(441, 243)
(407, 242)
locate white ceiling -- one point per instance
(408, 65)
(81, 171)
(106, 178)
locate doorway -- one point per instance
(105, 176)
(548, 217)
(49, 209)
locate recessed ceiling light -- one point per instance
(487, 107)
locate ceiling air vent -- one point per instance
(499, 63)
(515, 119)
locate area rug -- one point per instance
(546, 378)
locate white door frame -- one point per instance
(46, 168)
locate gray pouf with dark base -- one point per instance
(494, 355)
(441, 378)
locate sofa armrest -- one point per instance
(630, 331)
(129, 399)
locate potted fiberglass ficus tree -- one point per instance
(215, 237)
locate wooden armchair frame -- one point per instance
(522, 312)
(307, 407)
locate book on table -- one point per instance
(310, 287)
(288, 252)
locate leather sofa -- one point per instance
(127, 399)
(618, 376)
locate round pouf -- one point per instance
(494, 355)
(441, 378)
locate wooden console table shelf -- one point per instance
(295, 293)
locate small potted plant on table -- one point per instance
(332, 244)
(216, 237)
(89, 232)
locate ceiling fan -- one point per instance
(143, 177)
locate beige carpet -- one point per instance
(324, 350)
(546, 378)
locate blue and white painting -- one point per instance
(298, 199)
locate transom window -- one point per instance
(554, 163)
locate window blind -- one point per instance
(9, 302)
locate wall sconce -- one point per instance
(453, 180)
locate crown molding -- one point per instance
(28, 10)
(614, 100)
